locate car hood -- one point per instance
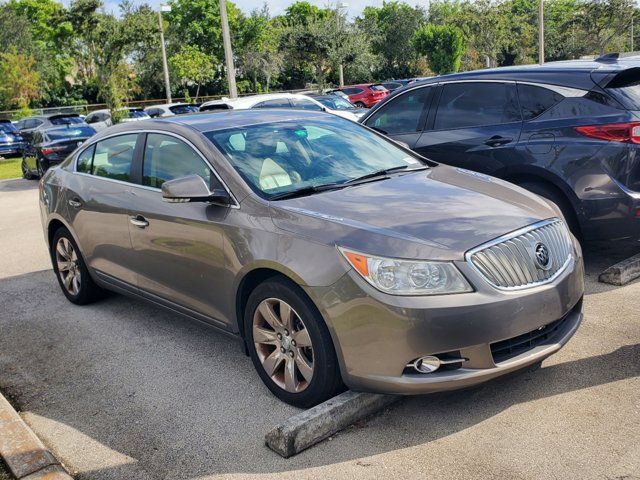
(435, 214)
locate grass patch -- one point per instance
(10, 168)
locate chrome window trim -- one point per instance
(235, 203)
(508, 236)
(567, 92)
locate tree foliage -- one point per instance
(76, 51)
(443, 46)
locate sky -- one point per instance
(277, 7)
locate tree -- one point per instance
(19, 80)
(603, 22)
(190, 65)
(443, 46)
(390, 29)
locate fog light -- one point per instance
(427, 364)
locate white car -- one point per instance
(275, 100)
(101, 119)
(170, 109)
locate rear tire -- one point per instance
(303, 373)
(550, 193)
(360, 105)
(71, 270)
(26, 173)
(42, 167)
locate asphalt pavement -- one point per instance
(124, 390)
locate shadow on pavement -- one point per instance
(17, 185)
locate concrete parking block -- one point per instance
(314, 425)
(622, 272)
(22, 451)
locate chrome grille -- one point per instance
(510, 262)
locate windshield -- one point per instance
(335, 103)
(182, 109)
(281, 157)
(63, 133)
(7, 128)
(71, 120)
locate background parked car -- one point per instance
(50, 146)
(278, 100)
(338, 103)
(11, 142)
(101, 119)
(392, 85)
(29, 124)
(568, 131)
(365, 95)
(171, 109)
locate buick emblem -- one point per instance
(542, 256)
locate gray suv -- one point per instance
(338, 256)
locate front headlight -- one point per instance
(407, 277)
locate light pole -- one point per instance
(339, 7)
(541, 31)
(167, 85)
(228, 53)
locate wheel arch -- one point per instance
(249, 280)
(53, 225)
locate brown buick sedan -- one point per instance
(339, 257)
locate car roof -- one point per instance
(167, 105)
(220, 120)
(570, 73)
(251, 100)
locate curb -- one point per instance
(22, 451)
(314, 425)
(622, 272)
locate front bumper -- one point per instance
(376, 335)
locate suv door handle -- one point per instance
(139, 221)
(75, 202)
(497, 141)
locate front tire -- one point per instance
(71, 270)
(290, 345)
(360, 105)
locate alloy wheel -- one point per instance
(283, 345)
(68, 266)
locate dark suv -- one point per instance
(568, 131)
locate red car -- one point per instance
(366, 94)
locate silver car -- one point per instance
(339, 257)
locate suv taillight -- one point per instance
(50, 150)
(613, 132)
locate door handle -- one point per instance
(497, 141)
(139, 221)
(75, 203)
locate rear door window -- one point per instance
(534, 100)
(475, 104)
(404, 114)
(113, 157)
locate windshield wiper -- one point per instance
(309, 190)
(383, 173)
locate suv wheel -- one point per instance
(42, 167)
(71, 270)
(290, 345)
(563, 204)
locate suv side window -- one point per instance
(403, 114)
(534, 101)
(167, 158)
(113, 157)
(275, 103)
(469, 104)
(305, 104)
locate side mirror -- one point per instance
(192, 188)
